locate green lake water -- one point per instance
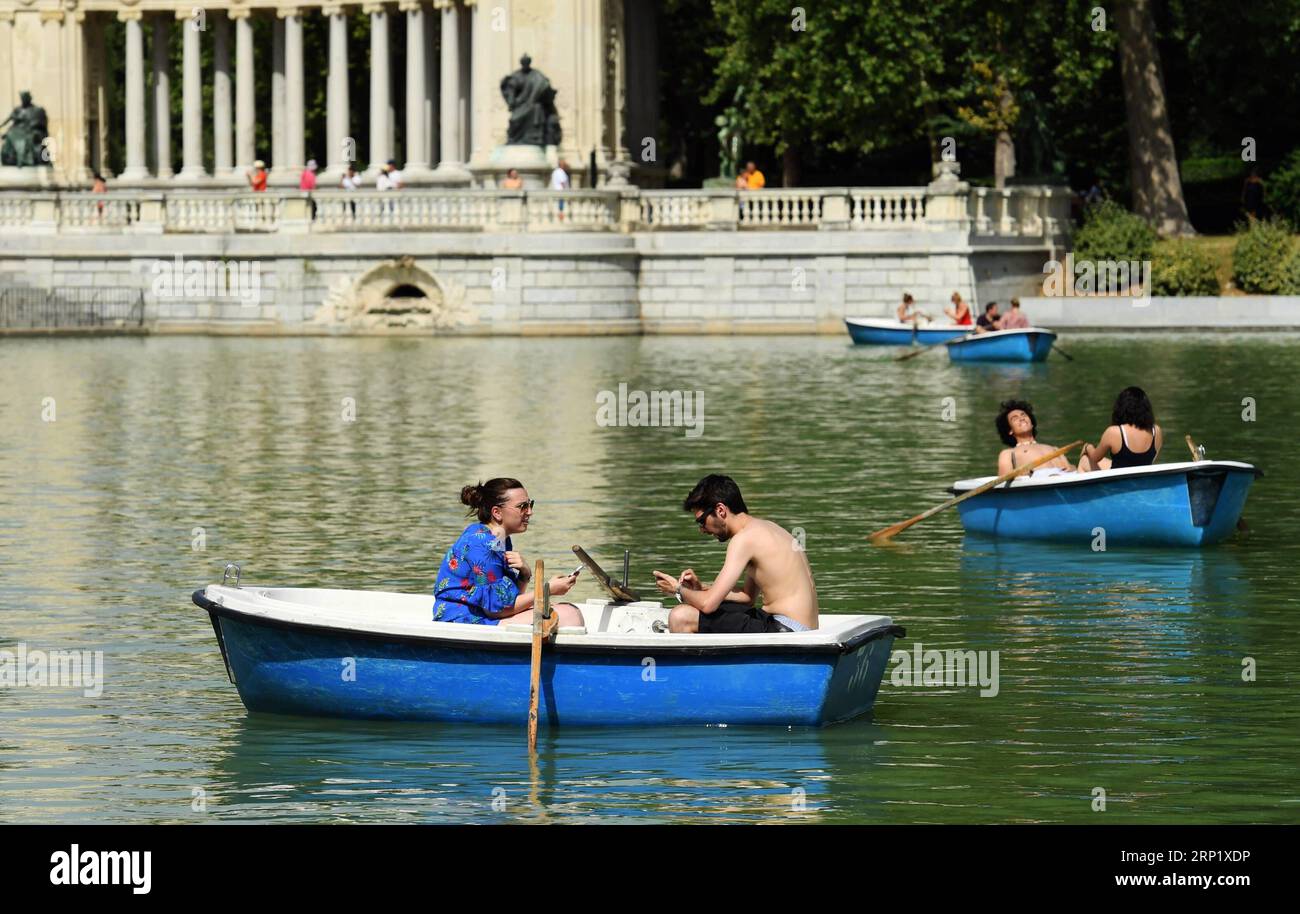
(1118, 670)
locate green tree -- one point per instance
(847, 75)
(1153, 164)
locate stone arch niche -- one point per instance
(394, 296)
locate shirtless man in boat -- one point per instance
(1017, 428)
(772, 561)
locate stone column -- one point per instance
(221, 149)
(380, 82)
(478, 142)
(135, 168)
(431, 25)
(245, 133)
(192, 98)
(450, 168)
(162, 116)
(7, 91)
(294, 91)
(417, 159)
(279, 150)
(340, 151)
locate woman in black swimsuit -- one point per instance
(1133, 438)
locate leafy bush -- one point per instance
(1261, 257)
(1291, 280)
(1110, 232)
(1183, 268)
(1282, 190)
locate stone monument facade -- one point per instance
(455, 115)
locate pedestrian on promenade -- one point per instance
(512, 180)
(1252, 196)
(1096, 193)
(257, 177)
(754, 179)
(100, 186)
(389, 177)
(350, 180)
(560, 181)
(307, 181)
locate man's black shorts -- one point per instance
(738, 619)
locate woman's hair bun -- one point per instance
(472, 496)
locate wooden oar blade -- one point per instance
(884, 535)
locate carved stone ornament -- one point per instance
(395, 296)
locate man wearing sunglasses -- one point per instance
(771, 561)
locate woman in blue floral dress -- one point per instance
(482, 580)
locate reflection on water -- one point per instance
(170, 456)
(355, 771)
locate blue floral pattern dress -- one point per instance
(474, 579)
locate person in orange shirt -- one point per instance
(257, 176)
(754, 179)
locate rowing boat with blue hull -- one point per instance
(1029, 345)
(874, 331)
(1194, 503)
(370, 655)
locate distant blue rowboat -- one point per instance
(1169, 504)
(882, 332)
(370, 655)
(1029, 345)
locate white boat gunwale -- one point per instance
(847, 634)
(887, 323)
(1032, 483)
(995, 334)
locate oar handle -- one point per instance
(1191, 446)
(541, 594)
(881, 535)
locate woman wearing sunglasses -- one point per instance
(482, 580)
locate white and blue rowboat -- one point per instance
(875, 331)
(372, 655)
(1031, 344)
(1169, 504)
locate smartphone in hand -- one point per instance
(574, 572)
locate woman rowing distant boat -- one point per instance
(481, 575)
(1132, 440)
(908, 313)
(1018, 428)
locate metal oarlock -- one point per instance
(226, 573)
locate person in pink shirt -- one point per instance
(308, 179)
(1015, 318)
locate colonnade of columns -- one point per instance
(437, 92)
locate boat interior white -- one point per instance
(606, 623)
(1040, 479)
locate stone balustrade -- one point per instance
(1026, 212)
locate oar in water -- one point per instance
(543, 625)
(881, 536)
(1068, 357)
(915, 352)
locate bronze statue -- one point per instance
(531, 100)
(23, 143)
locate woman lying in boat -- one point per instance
(482, 579)
(1018, 430)
(1132, 440)
(773, 563)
